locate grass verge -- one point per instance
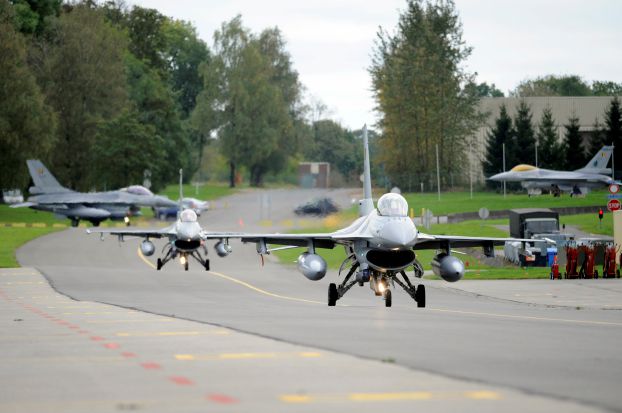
(13, 238)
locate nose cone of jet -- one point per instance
(398, 234)
(503, 176)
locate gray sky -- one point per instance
(331, 41)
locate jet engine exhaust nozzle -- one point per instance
(311, 266)
(147, 248)
(448, 267)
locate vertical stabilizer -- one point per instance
(598, 164)
(181, 191)
(45, 182)
(366, 205)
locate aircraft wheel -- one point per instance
(387, 298)
(596, 274)
(159, 266)
(420, 296)
(186, 266)
(332, 294)
(75, 222)
(206, 265)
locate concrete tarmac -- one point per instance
(478, 346)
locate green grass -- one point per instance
(13, 238)
(454, 202)
(26, 215)
(589, 223)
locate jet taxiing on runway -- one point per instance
(185, 238)
(575, 182)
(49, 195)
(380, 246)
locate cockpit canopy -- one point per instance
(188, 215)
(523, 168)
(392, 205)
(137, 190)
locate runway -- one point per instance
(263, 338)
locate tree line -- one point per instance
(102, 92)
(520, 136)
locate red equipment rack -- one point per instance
(572, 256)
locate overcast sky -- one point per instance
(331, 41)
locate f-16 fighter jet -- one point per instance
(48, 195)
(577, 182)
(380, 247)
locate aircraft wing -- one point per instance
(23, 205)
(321, 240)
(141, 233)
(427, 241)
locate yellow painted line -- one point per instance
(142, 257)
(482, 395)
(162, 320)
(259, 290)
(375, 397)
(245, 284)
(381, 397)
(244, 356)
(294, 398)
(524, 317)
(171, 333)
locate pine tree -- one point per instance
(548, 147)
(501, 134)
(524, 138)
(573, 148)
(597, 139)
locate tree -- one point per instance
(551, 85)
(486, 90)
(423, 95)
(613, 129)
(597, 139)
(251, 97)
(549, 149)
(83, 73)
(334, 144)
(27, 124)
(132, 147)
(184, 53)
(30, 15)
(524, 135)
(502, 134)
(573, 146)
(606, 88)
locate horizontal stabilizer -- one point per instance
(23, 205)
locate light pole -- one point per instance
(504, 169)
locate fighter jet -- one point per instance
(380, 247)
(49, 195)
(574, 182)
(185, 238)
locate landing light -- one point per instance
(126, 220)
(381, 286)
(182, 260)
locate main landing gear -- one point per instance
(380, 284)
(172, 253)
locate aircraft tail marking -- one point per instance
(598, 164)
(45, 182)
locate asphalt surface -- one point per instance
(263, 338)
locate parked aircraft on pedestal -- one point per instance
(574, 182)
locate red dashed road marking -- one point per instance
(221, 399)
(151, 366)
(112, 345)
(97, 338)
(128, 354)
(182, 381)
(83, 332)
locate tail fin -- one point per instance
(181, 191)
(366, 205)
(45, 182)
(599, 162)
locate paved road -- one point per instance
(506, 346)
